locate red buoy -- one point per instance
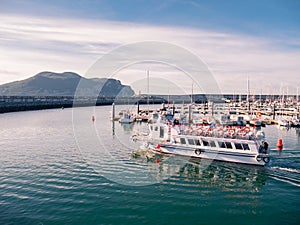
(157, 160)
(279, 144)
(158, 146)
(93, 118)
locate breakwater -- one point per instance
(23, 103)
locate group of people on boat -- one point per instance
(214, 130)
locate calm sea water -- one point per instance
(57, 167)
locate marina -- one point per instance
(46, 163)
(255, 112)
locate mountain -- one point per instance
(65, 84)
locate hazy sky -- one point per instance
(236, 39)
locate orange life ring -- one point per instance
(246, 129)
(231, 132)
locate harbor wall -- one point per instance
(23, 103)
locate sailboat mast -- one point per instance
(192, 92)
(287, 93)
(297, 94)
(168, 97)
(233, 96)
(260, 98)
(248, 93)
(148, 90)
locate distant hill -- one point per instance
(65, 84)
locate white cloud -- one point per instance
(33, 44)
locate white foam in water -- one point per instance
(287, 181)
(286, 169)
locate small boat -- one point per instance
(283, 122)
(126, 118)
(295, 122)
(213, 142)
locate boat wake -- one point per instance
(287, 180)
(284, 174)
(286, 169)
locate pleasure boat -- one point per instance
(213, 142)
(282, 121)
(126, 118)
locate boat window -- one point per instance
(182, 141)
(205, 143)
(221, 144)
(238, 146)
(246, 146)
(228, 144)
(212, 143)
(191, 141)
(197, 142)
(161, 132)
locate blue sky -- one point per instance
(265, 17)
(230, 36)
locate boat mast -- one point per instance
(287, 93)
(233, 97)
(297, 102)
(248, 93)
(168, 97)
(283, 97)
(297, 94)
(148, 90)
(190, 106)
(260, 97)
(192, 92)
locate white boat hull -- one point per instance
(235, 157)
(230, 144)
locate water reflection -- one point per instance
(127, 127)
(207, 173)
(297, 130)
(283, 128)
